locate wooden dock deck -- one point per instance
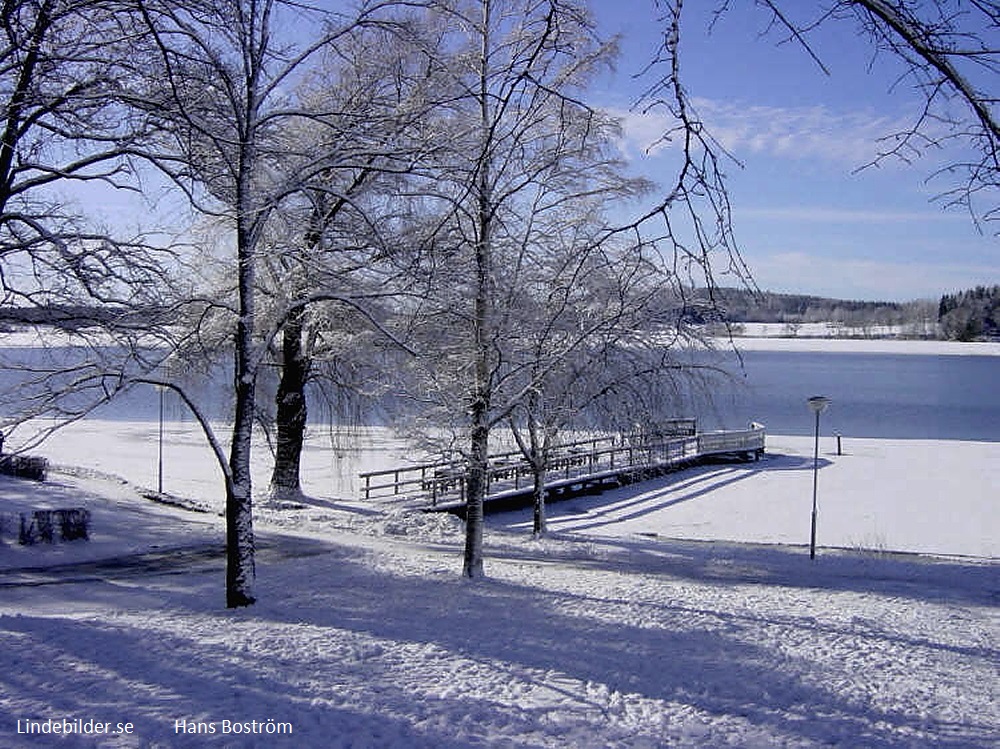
(584, 467)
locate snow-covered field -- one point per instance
(832, 330)
(628, 627)
(926, 496)
(829, 337)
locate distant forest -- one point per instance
(971, 315)
(968, 315)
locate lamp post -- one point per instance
(817, 404)
(159, 464)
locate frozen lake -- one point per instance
(877, 395)
(902, 390)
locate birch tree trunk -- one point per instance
(240, 568)
(538, 526)
(240, 551)
(479, 432)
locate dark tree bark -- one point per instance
(479, 432)
(292, 409)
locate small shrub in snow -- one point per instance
(73, 524)
(36, 527)
(24, 466)
(419, 524)
(40, 525)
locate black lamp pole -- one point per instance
(818, 405)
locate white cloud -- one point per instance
(642, 133)
(847, 139)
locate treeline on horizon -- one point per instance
(969, 315)
(972, 314)
(66, 316)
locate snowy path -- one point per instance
(365, 635)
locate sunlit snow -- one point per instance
(611, 632)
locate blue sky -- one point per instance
(807, 221)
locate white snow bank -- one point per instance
(130, 450)
(122, 523)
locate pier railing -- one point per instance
(584, 465)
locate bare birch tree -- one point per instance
(596, 347)
(519, 142)
(222, 94)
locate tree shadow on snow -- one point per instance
(899, 574)
(353, 655)
(655, 495)
(154, 677)
(533, 632)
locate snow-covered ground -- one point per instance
(633, 625)
(926, 496)
(825, 337)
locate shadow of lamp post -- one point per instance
(817, 404)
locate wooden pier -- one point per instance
(583, 467)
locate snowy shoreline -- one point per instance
(749, 336)
(913, 496)
(826, 344)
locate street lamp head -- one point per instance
(818, 403)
